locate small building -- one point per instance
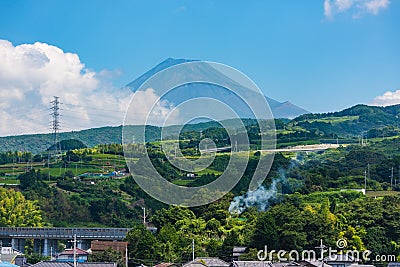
(68, 255)
(9, 254)
(313, 263)
(7, 264)
(71, 264)
(251, 264)
(100, 246)
(237, 252)
(340, 260)
(265, 264)
(194, 264)
(166, 264)
(212, 262)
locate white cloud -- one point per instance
(31, 74)
(387, 99)
(344, 5)
(357, 8)
(374, 6)
(147, 107)
(328, 9)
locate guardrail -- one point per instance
(64, 233)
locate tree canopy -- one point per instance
(16, 211)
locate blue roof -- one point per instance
(7, 264)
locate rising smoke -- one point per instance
(262, 197)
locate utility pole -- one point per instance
(192, 249)
(365, 180)
(74, 250)
(126, 257)
(391, 179)
(144, 216)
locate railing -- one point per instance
(64, 233)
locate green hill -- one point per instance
(348, 124)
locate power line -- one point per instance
(93, 108)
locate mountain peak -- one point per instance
(169, 62)
(279, 109)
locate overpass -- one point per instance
(46, 239)
(216, 149)
(299, 148)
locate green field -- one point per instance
(382, 193)
(335, 120)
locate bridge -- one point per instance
(216, 149)
(46, 239)
(300, 148)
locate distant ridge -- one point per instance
(279, 109)
(346, 123)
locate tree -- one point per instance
(143, 246)
(16, 211)
(32, 180)
(34, 258)
(231, 240)
(265, 232)
(172, 215)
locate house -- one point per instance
(361, 265)
(71, 264)
(251, 264)
(68, 255)
(166, 264)
(194, 264)
(269, 264)
(97, 246)
(212, 262)
(237, 252)
(7, 264)
(340, 260)
(9, 254)
(20, 260)
(313, 263)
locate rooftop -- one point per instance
(213, 262)
(71, 264)
(70, 251)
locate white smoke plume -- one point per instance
(260, 198)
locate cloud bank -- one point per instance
(357, 8)
(31, 74)
(387, 99)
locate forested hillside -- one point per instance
(346, 126)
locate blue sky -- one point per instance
(323, 55)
